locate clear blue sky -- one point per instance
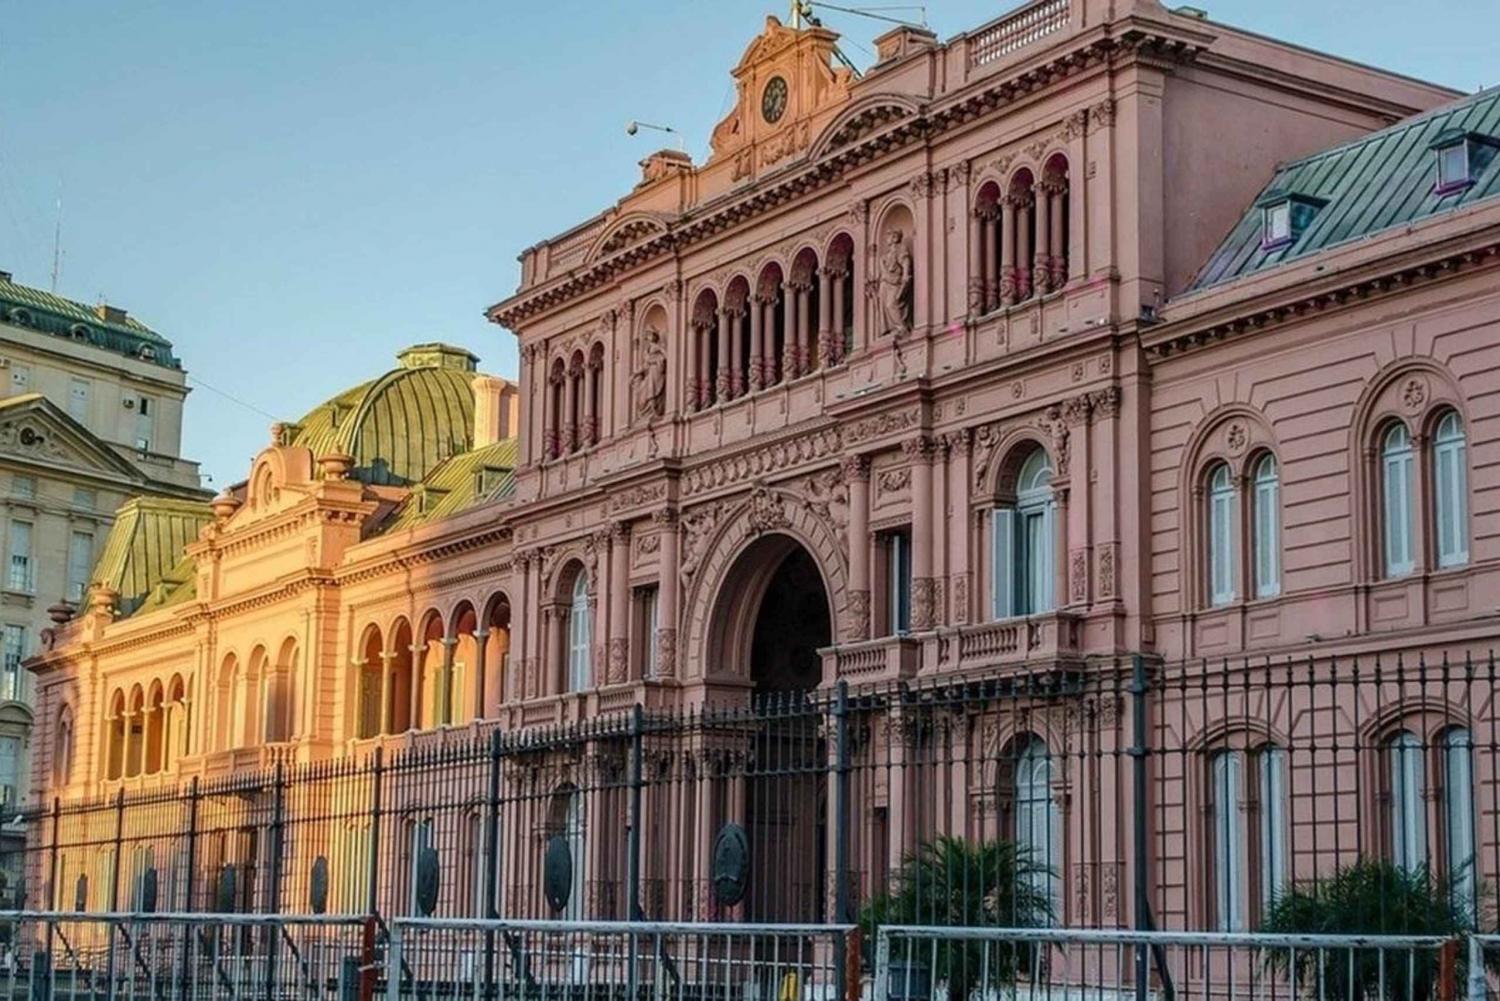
(293, 191)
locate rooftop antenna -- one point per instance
(633, 126)
(802, 9)
(57, 240)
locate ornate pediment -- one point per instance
(33, 428)
(788, 88)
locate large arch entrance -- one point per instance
(773, 617)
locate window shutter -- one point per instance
(1046, 598)
(1002, 562)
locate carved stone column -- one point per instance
(591, 422)
(694, 350)
(836, 343)
(1024, 215)
(960, 581)
(857, 475)
(570, 407)
(790, 366)
(1009, 215)
(619, 603)
(757, 369)
(554, 415)
(1041, 271)
(768, 360)
(825, 318)
(1080, 556)
(919, 452)
(801, 355)
(703, 334)
(666, 595)
(1056, 186)
(727, 362)
(479, 682)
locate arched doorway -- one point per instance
(772, 617)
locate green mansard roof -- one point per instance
(102, 326)
(142, 554)
(1369, 185)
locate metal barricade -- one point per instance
(1056, 964)
(598, 960)
(61, 956)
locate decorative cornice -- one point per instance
(1301, 301)
(884, 135)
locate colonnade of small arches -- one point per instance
(447, 669)
(575, 401)
(1018, 236)
(146, 729)
(775, 325)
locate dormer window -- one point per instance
(1460, 158)
(1284, 217)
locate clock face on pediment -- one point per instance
(773, 100)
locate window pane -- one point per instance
(1267, 529)
(1450, 478)
(1458, 792)
(1228, 842)
(580, 635)
(1002, 563)
(1408, 823)
(10, 666)
(20, 556)
(1273, 873)
(649, 620)
(80, 564)
(898, 579)
(1038, 820)
(1396, 468)
(1221, 536)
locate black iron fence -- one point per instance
(1358, 794)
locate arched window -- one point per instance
(1458, 796)
(1247, 796)
(1038, 820)
(1408, 823)
(1024, 543)
(1451, 491)
(1266, 505)
(62, 748)
(1396, 477)
(1221, 535)
(580, 635)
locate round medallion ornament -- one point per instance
(557, 872)
(731, 865)
(317, 885)
(429, 878)
(773, 100)
(148, 891)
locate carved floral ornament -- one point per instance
(1053, 425)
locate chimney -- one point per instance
(109, 314)
(496, 410)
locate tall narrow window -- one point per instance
(421, 841)
(1024, 544)
(23, 487)
(1221, 535)
(898, 582)
(580, 635)
(10, 663)
(80, 564)
(1408, 843)
(574, 830)
(1267, 507)
(21, 568)
(1458, 795)
(1247, 799)
(1229, 845)
(650, 667)
(10, 764)
(79, 391)
(1396, 476)
(1038, 820)
(145, 423)
(1451, 487)
(1273, 854)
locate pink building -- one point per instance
(1099, 331)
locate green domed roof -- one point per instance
(400, 426)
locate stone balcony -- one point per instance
(1032, 640)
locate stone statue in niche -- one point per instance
(649, 383)
(895, 285)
